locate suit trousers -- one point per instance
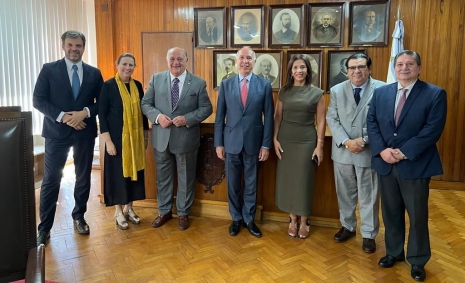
(362, 182)
(397, 195)
(186, 169)
(236, 164)
(56, 153)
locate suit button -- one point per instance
(395, 134)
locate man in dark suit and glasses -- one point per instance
(67, 94)
(244, 137)
(404, 122)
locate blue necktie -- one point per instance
(175, 93)
(357, 94)
(76, 84)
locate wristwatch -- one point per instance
(346, 145)
(405, 157)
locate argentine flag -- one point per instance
(397, 46)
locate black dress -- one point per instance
(116, 188)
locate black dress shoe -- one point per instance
(253, 229)
(418, 273)
(42, 238)
(81, 226)
(389, 261)
(369, 245)
(343, 235)
(234, 228)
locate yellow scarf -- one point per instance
(133, 152)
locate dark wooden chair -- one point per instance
(20, 257)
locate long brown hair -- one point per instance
(290, 79)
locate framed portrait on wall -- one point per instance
(315, 58)
(268, 67)
(326, 24)
(369, 22)
(247, 26)
(210, 27)
(286, 25)
(224, 66)
(337, 70)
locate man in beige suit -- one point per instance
(346, 117)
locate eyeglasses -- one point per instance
(353, 68)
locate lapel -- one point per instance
(65, 77)
(185, 89)
(235, 90)
(391, 102)
(366, 96)
(167, 86)
(410, 100)
(349, 92)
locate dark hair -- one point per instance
(358, 56)
(229, 59)
(126, 55)
(73, 34)
(281, 16)
(414, 54)
(290, 79)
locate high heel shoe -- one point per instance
(121, 221)
(292, 231)
(132, 216)
(304, 230)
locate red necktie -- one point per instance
(401, 103)
(244, 91)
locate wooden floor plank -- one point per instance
(206, 253)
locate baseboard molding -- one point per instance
(444, 185)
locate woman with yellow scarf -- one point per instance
(124, 129)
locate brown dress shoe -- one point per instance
(369, 245)
(183, 222)
(343, 235)
(161, 219)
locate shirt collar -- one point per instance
(69, 64)
(249, 76)
(362, 86)
(409, 87)
(181, 78)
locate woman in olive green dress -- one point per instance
(297, 143)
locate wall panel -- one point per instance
(434, 28)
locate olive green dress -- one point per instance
(295, 173)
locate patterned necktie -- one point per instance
(244, 91)
(175, 93)
(76, 83)
(401, 104)
(357, 94)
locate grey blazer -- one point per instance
(194, 104)
(346, 119)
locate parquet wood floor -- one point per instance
(206, 253)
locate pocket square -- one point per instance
(193, 94)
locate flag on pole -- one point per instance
(397, 46)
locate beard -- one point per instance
(288, 25)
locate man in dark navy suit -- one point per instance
(67, 93)
(404, 122)
(243, 137)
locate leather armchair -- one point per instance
(20, 257)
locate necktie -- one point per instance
(357, 94)
(244, 91)
(401, 103)
(76, 84)
(175, 93)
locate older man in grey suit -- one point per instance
(351, 153)
(177, 102)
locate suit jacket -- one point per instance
(325, 34)
(420, 126)
(194, 104)
(111, 110)
(285, 37)
(210, 38)
(346, 119)
(53, 95)
(271, 79)
(228, 76)
(249, 127)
